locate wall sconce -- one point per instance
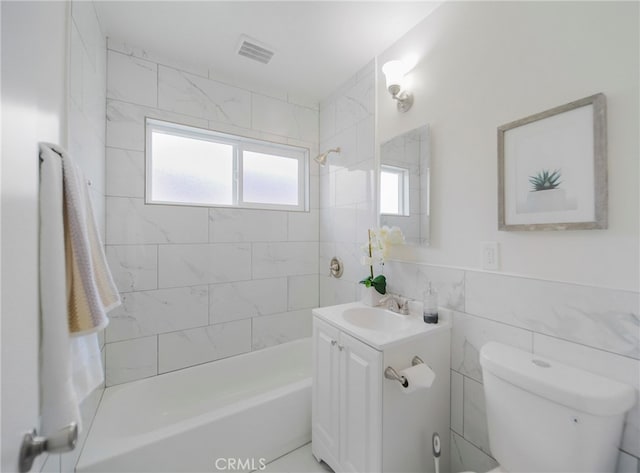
(394, 72)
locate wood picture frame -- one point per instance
(552, 169)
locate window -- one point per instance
(394, 190)
(193, 166)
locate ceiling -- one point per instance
(318, 44)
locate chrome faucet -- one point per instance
(395, 303)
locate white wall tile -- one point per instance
(284, 259)
(125, 173)
(347, 141)
(343, 225)
(189, 265)
(133, 267)
(200, 345)
(280, 328)
(627, 464)
(246, 299)
(621, 368)
(86, 20)
(87, 148)
(470, 333)
(466, 457)
(116, 44)
(411, 280)
(303, 292)
(475, 416)
(356, 104)
(303, 226)
(131, 221)
(125, 123)
(132, 79)
(131, 359)
(353, 186)
(351, 256)
(337, 291)
(327, 120)
(164, 310)
(76, 57)
(94, 90)
(228, 225)
(601, 318)
(457, 402)
(192, 95)
(366, 142)
(284, 119)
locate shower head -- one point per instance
(321, 159)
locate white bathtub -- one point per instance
(227, 415)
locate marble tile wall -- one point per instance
(588, 327)
(347, 184)
(200, 284)
(87, 68)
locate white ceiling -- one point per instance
(318, 44)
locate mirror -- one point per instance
(404, 185)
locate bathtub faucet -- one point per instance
(395, 303)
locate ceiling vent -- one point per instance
(255, 50)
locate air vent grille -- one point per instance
(249, 48)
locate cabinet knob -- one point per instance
(340, 347)
(333, 343)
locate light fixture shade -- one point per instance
(394, 72)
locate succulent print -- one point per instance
(545, 180)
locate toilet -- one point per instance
(545, 416)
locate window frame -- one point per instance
(239, 144)
(403, 189)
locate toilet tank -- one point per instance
(545, 416)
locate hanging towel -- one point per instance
(86, 365)
(58, 401)
(76, 288)
(91, 290)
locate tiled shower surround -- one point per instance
(200, 284)
(592, 328)
(347, 184)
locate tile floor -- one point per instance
(298, 461)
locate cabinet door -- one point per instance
(325, 392)
(360, 406)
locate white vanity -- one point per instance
(362, 421)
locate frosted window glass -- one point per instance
(191, 170)
(390, 192)
(269, 179)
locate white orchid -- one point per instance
(377, 251)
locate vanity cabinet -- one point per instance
(347, 401)
(366, 423)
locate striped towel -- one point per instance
(91, 292)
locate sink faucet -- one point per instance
(395, 303)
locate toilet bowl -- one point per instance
(545, 416)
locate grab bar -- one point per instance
(393, 375)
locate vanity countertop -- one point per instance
(410, 326)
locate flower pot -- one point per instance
(370, 296)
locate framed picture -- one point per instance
(552, 169)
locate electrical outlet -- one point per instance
(490, 255)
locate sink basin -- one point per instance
(373, 318)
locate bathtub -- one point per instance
(234, 414)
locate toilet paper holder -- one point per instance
(393, 375)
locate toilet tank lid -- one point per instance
(564, 384)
